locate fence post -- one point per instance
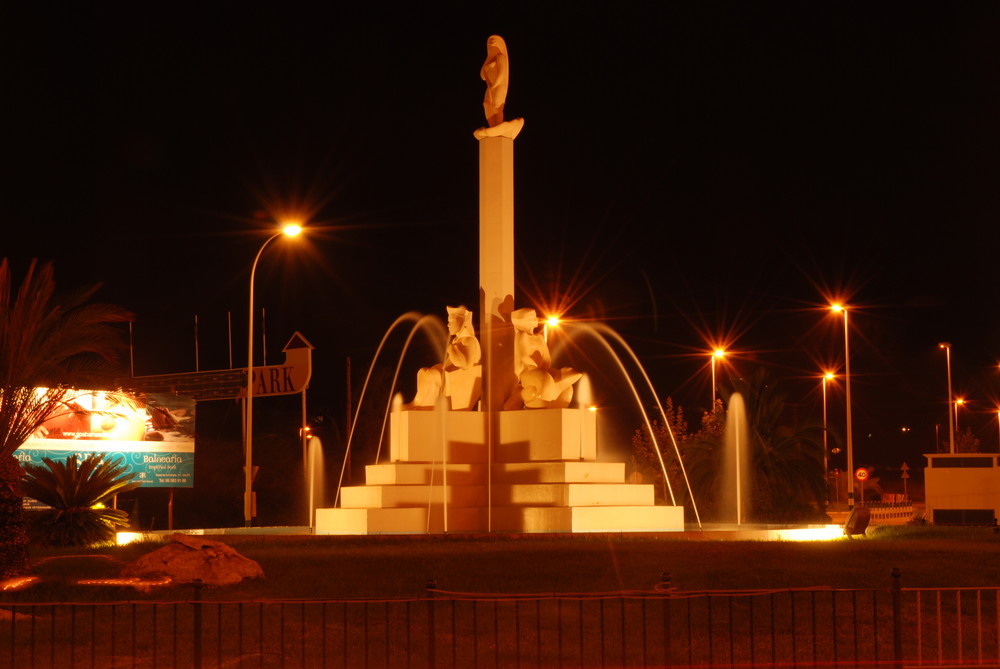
(429, 591)
(197, 623)
(666, 586)
(897, 617)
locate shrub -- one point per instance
(76, 492)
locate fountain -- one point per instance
(315, 475)
(735, 486)
(494, 439)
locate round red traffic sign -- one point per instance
(861, 474)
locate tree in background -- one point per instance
(48, 345)
(966, 441)
(643, 458)
(697, 450)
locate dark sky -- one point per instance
(687, 172)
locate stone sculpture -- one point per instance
(496, 73)
(459, 377)
(539, 385)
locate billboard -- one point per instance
(153, 434)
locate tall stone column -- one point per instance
(496, 260)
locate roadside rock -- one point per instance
(189, 558)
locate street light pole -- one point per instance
(289, 230)
(839, 308)
(826, 462)
(952, 417)
(716, 354)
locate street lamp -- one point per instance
(717, 354)
(550, 322)
(952, 418)
(826, 464)
(289, 230)
(959, 401)
(840, 308)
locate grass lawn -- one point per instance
(395, 566)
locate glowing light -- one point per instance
(19, 583)
(292, 229)
(824, 533)
(719, 353)
(591, 408)
(829, 376)
(125, 538)
(132, 582)
(836, 306)
(959, 401)
(550, 322)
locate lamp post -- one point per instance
(551, 321)
(289, 230)
(717, 354)
(840, 308)
(826, 463)
(952, 417)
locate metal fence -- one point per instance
(663, 627)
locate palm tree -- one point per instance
(76, 493)
(47, 345)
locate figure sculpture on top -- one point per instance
(495, 72)
(459, 377)
(539, 385)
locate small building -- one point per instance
(962, 488)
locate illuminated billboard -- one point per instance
(152, 434)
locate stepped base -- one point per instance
(519, 494)
(504, 519)
(545, 478)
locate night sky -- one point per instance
(688, 173)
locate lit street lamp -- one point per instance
(952, 417)
(826, 463)
(717, 354)
(289, 230)
(839, 308)
(551, 321)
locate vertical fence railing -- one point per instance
(811, 627)
(951, 626)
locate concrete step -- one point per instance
(573, 494)
(503, 519)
